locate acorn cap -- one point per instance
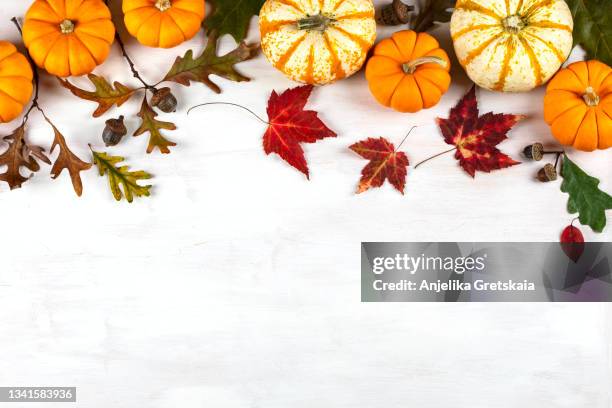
(547, 173)
(164, 100)
(394, 14)
(534, 151)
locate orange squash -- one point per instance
(68, 37)
(578, 105)
(408, 71)
(163, 23)
(15, 82)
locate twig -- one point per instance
(131, 63)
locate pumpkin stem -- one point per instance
(513, 24)
(318, 22)
(163, 5)
(590, 97)
(411, 66)
(67, 26)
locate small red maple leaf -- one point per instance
(385, 164)
(572, 243)
(476, 136)
(291, 125)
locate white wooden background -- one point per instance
(237, 283)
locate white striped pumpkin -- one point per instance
(511, 45)
(317, 41)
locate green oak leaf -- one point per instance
(232, 17)
(121, 176)
(187, 68)
(593, 27)
(586, 198)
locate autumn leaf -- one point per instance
(475, 137)
(290, 125)
(232, 17)
(572, 243)
(187, 69)
(385, 164)
(67, 160)
(154, 127)
(105, 94)
(593, 27)
(121, 176)
(20, 154)
(585, 197)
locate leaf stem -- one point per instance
(405, 137)
(435, 156)
(230, 104)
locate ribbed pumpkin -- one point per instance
(15, 82)
(317, 42)
(511, 45)
(163, 23)
(578, 105)
(408, 71)
(68, 37)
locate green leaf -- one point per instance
(187, 69)
(593, 27)
(433, 11)
(154, 127)
(232, 17)
(105, 94)
(586, 198)
(121, 176)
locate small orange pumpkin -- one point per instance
(67, 37)
(163, 23)
(578, 105)
(408, 71)
(15, 82)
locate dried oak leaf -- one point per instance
(187, 69)
(67, 160)
(432, 12)
(572, 243)
(121, 176)
(385, 164)
(232, 17)
(20, 154)
(585, 197)
(154, 127)
(105, 94)
(290, 125)
(475, 137)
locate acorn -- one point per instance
(394, 14)
(164, 100)
(534, 151)
(114, 131)
(547, 173)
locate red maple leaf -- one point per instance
(291, 125)
(476, 136)
(572, 243)
(385, 164)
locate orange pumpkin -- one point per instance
(68, 37)
(578, 105)
(408, 71)
(163, 23)
(15, 82)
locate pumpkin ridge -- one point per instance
(82, 45)
(469, 5)
(336, 64)
(353, 37)
(423, 77)
(575, 132)
(535, 64)
(337, 6)
(55, 31)
(3, 92)
(508, 12)
(292, 3)
(550, 45)
(309, 73)
(137, 28)
(416, 81)
(82, 25)
(60, 13)
(58, 36)
(360, 14)
(551, 25)
(505, 71)
(171, 17)
(480, 49)
(148, 21)
(282, 61)
(534, 7)
(565, 110)
(473, 28)
(270, 27)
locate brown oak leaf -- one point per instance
(105, 94)
(187, 69)
(154, 127)
(386, 163)
(476, 137)
(67, 160)
(20, 154)
(290, 125)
